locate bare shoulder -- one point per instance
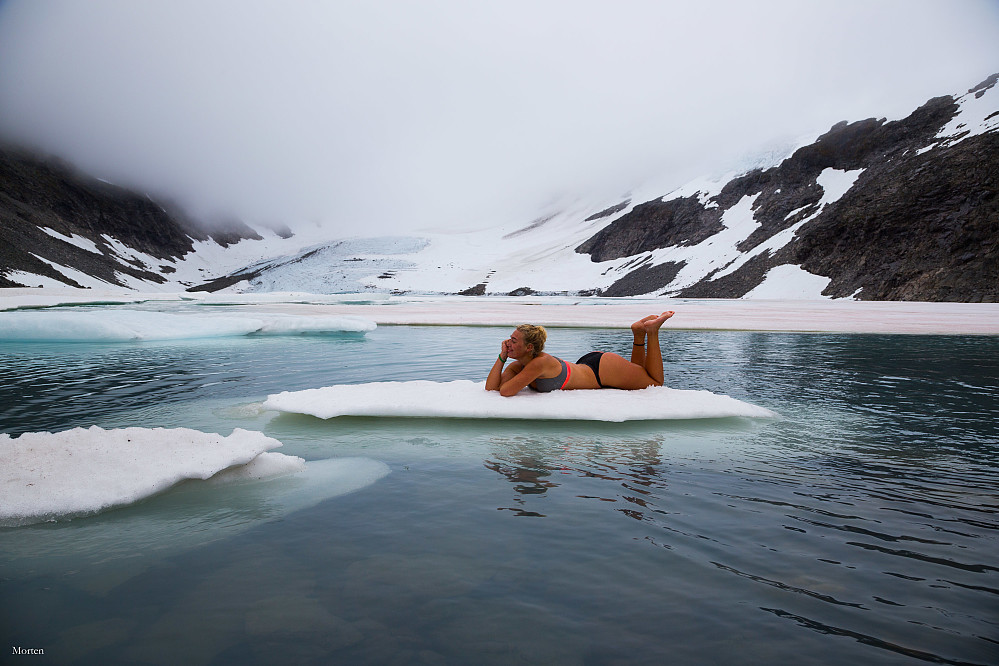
(543, 362)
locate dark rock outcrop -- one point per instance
(923, 228)
(477, 290)
(607, 212)
(644, 279)
(919, 223)
(652, 225)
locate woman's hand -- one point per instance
(495, 378)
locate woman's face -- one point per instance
(517, 346)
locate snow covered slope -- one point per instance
(900, 210)
(861, 188)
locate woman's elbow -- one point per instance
(507, 391)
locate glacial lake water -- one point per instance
(859, 528)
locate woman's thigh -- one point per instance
(618, 372)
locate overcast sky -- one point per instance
(384, 115)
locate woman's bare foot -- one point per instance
(638, 328)
(653, 323)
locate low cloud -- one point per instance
(385, 116)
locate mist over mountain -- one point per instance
(381, 118)
(872, 209)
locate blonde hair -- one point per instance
(535, 336)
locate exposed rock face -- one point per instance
(916, 225)
(37, 193)
(638, 280)
(607, 212)
(923, 228)
(652, 225)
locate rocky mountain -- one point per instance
(60, 226)
(920, 222)
(874, 210)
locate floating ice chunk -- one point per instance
(256, 297)
(265, 466)
(124, 325)
(467, 399)
(189, 516)
(46, 475)
(59, 294)
(282, 325)
(117, 326)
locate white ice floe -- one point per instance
(58, 293)
(261, 297)
(265, 466)
(188, 516)
(113, 325)
(290, 324)
(45, 476)
(468, 399)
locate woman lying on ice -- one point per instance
(544, 372)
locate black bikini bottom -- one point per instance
(593, 360)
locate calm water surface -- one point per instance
(859, 528)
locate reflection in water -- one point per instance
(533, 467)
(529, 480)
(527, 467)
(853, 543)
(190, 515)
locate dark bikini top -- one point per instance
(553, 383)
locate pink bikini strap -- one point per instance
(568, 373)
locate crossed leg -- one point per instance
(646, 366)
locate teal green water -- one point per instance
(859, 528)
